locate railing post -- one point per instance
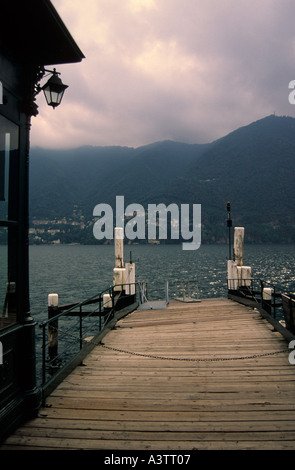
(167, 292)
(99, 310)
(274, 303)
(113, 302)
(52, 326)
(261, 293)
(81, 327)
(43, 356)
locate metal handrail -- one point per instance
(254, 288)
(56, 364)
(65, 310)
(186, 289)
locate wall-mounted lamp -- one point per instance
(54, 89)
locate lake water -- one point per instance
(77, 272)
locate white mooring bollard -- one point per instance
(237, 274)
(239, 245)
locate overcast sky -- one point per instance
(185, 70)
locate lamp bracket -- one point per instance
(43, 73)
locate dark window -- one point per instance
(9, 182)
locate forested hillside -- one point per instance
(253, 167)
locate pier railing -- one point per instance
(72, 330)
(273, 300)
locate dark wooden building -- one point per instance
(32, 37)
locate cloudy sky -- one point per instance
(185, 70)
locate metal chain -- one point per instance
(194, 360)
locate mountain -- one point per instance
(253, 167)
(89, 175)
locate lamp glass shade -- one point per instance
(54, 90)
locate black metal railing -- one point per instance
(74, 328)
(185, 290)
(266, 296)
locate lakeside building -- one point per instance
(32, 37)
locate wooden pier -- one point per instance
(208, 375)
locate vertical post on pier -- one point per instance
(232, 275)
(119, 247)
(167, 292)
(231, 265)
(239, 245)
(119, 271)
(52, 326)
(229, 224)
(130, 278)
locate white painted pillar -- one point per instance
(107, 301)
(119, 278)
(119, 247)
(267, 293)
(52, 300)
(239, 245)
(232, 275)
(119, 271)
(130, 278)
(244, 276)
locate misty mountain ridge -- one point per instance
(253, 167)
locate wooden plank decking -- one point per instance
(123, 400)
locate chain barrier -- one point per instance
(217, 359)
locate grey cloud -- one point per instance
(185, 70)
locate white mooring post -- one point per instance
(119, 272)
(239, 245)
(232, 275)
(238, 275)
(130, 278)
(119, 247)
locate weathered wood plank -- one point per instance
(37, 443)
(192, 376)
(214, 425)
(220, 434)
